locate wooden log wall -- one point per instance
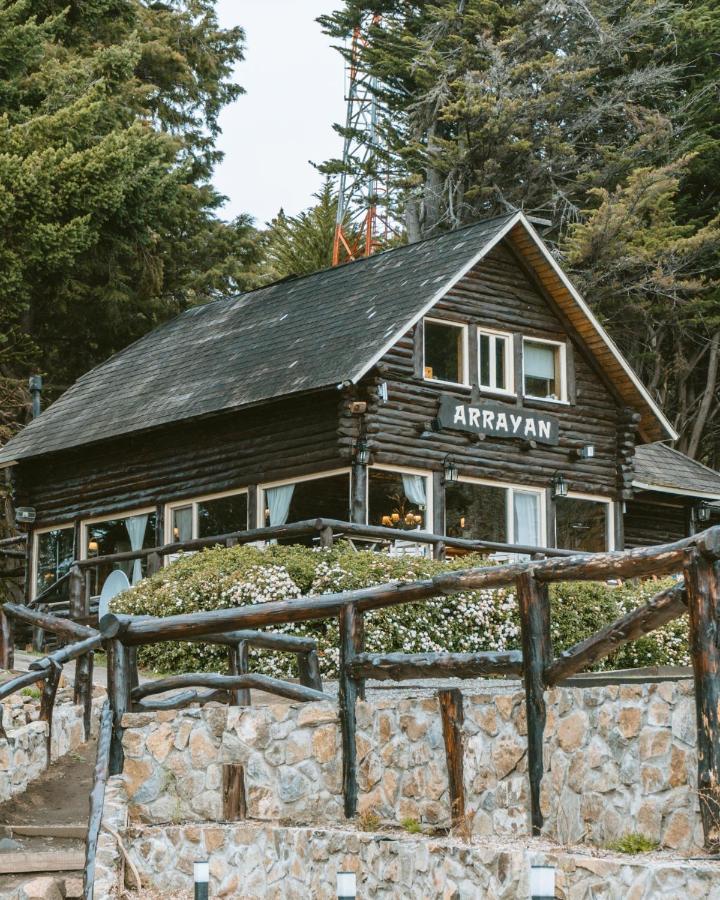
(497, 293)
(285, 439)
(653, 518)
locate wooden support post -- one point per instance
(84, 688)
(7, 645)
(350, 636)
(234, 800)
(119, 700)
(438, 522)
(47, 702)
(132, 662)
(451, 711)
(97, 797)
(534, 607)
(77, 595)
(358, 499)
(309, 670)
(326, 536)
(154, 564)
(702, 581)
(238, 665)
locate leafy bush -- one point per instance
(469, 621)
(633, 843)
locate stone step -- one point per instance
(26, 862)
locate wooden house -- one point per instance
(459, 385)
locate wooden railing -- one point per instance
(697, 558)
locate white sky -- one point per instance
(294, 92)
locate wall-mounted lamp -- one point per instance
(92, 546)
(559, 485)
(25, 515)
(702, 512)
(542, 882)
(450, 469)
(362, 452)
(346, 886)
(587, 451)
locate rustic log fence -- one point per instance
(696, 558)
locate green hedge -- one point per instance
(472, 620)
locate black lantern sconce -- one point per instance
(450, 470)
(362, 452)
(559, 485)
(702, 512)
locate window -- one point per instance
(543, 369)
(208, 516)
(495, 361)
(398, 499)
(324, 496)
(445, 352)
(131, 532)
(495, 512)
(54, 554)
(583, 524)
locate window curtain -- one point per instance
(539, 361)
(526, 519)
(136, 526)
(278, 501)
(414, 489)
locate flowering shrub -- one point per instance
(469, 621)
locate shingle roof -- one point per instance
(659, 466)
(296, 335)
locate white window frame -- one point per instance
(345, 470)
(36, 550)
(609, 516)
(405, 470)
(193, 503)
(562, 363)
(465, 383)
(108, 517)
(509, 361)
(510, 488)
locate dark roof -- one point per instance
(293, 336)
(670, 471)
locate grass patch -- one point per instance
(30, 692)
(412, 826)
(368, 821)
(634, 842)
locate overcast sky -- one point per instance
(294, 92)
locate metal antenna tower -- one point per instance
(359, 226)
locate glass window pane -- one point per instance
(397, 500)
(540, 368)
(118, 536)
(476, 511)
(443, 352)
(55, 553)
(581, 524)
(325, 498)
(222, 516)
(500, 348)
(182, 523)
(526, 519)
(485, 360)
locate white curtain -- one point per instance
(278, 501)
(414, 489)
(135, 526)
(539, 361)
(526, 517)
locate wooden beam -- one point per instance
(702, 578)
(7, 646)
(63, 628)
(403, 666)
(227, 682)
(347, 697)
(663, 608)
(537, 652)
(451, 712)
(238, 665)
(119, 700)
(234, 800)
(77, 595)
(97, 798)
(309, 670)
(181, 700)
(26, 862)
(47, 702)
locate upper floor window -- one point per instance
(543, 369)
(495, 361)
(445, 352)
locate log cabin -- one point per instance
(459, 384)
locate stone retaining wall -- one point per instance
(617, 758)
(23, 755)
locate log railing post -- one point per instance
(451, 711)
(84, 688)
(309, 669)
(326, 537)
(47, 702)
(153, 564)
(702, 581)
(534, 606)
(7, 645)
(78, 596)
(351, 631)
(238, 665)
(119, 700)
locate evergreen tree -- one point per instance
(108, 114)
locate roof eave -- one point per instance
(680, 492)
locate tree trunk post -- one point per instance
(47, 702)
(153, 564)
(350, 638)
(77, 594)
(702, 581)
(358, 499)
(309, 669)
(119, 699)
(238, 665)
(534, 608)
(326, 537)
(84, 688)
(451, 711)
(7, 646)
